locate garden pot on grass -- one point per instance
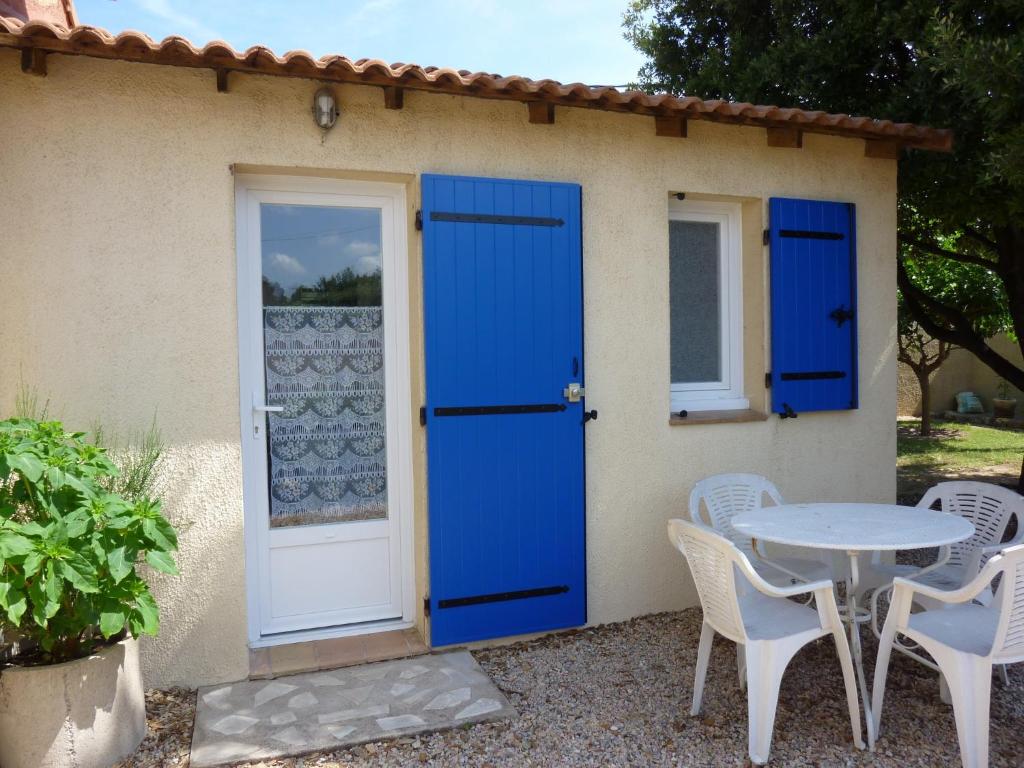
(87, 713)
(1003, 409)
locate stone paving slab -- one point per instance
(262, 719)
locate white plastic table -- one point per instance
(854, 529)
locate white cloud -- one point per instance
(188, 24)
(288, 265)
(363, 248)
(368, 264)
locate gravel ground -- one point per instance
(619, 695)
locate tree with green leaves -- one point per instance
(954, 64)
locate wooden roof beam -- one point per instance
(883, 149)
(33, 61)
(222, 80)
(674, 127)
(394, 97)
(787, 138)
(541, 112)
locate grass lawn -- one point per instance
(955, 452)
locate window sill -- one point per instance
(717, 417)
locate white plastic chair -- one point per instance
(990, 508)
(965, 639)
(725, 496)
(768, 628)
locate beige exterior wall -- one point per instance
(961, 371)
(119, 301)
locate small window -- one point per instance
(706, 317)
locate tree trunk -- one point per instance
(924, 383)
(1020, 480)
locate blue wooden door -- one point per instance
(503, 323)
(814, 305)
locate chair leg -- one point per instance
(969, 679)
(850, 683)
(707, 637)
(881, 672)
(766, 663)
(741, 665)
(1004, 676)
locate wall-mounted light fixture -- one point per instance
(325, 109)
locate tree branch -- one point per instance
(959, 332)
(977, 237)
(965, 258)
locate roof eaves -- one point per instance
(217, 55)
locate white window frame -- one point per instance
(726, 393)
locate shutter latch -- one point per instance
(787, 412)
(841, 315)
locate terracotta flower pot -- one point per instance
(1003, 409)
(87, 713)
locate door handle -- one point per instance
(258, 409)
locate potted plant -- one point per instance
(1003, 406)
(71, 592)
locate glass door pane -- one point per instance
(323, 331)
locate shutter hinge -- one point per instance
(426, 606)
(423, 415)
(419, 221)
(765, 237)
(768, 380)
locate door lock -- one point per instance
(574, 392)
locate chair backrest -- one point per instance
(988, 507)
(711, 558)
(725, 496)
(1009, 641)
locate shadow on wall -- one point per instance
(961, 372)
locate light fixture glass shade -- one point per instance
(325, 109)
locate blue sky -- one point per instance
(567, 40)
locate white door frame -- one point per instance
(391, 198)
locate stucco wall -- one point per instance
(119, 300)
(961, 371)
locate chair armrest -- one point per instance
(765, 588)
(965, 594)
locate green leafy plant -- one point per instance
(1003, 389)
(137, 460)
(69, 547)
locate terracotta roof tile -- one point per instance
(218, 55)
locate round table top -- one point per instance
(853, 526)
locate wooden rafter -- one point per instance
(394, 97)
(787, 138)
(33, 61)
(541, 112)
(674, 127)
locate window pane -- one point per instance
(323, 330)
(695, 296)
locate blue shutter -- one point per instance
(813, 305)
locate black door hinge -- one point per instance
(426, 606)
(765, 237)
(419, 221)
(768, 380)
(423, 415)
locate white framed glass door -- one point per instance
(325, 412)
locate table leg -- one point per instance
(852, 584)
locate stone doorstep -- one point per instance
(321, 711)
(334, 653)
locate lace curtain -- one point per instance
(325, 366)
